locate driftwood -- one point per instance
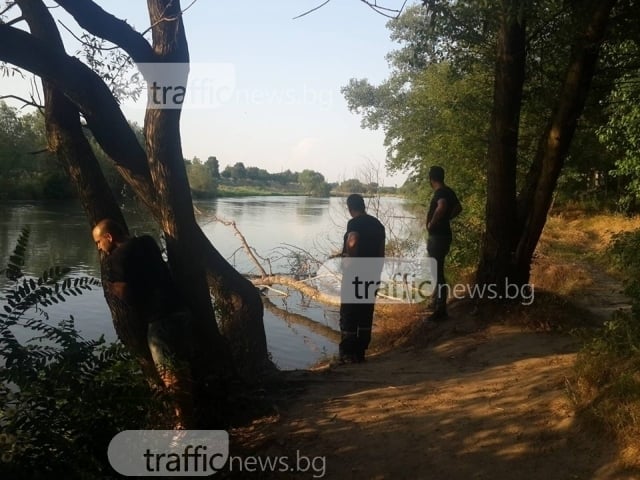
(268, 279)
(300, 285)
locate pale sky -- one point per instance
(281, 106)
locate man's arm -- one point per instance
(455, 211)
(438, 214)
(351, 245)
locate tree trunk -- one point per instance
(66, 138)
(163, 177)
(535, 199)
(498, 239)
(512, 236)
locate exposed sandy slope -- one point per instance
(473, 402)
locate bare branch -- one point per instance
(9, 6)
(100, 23)
(312, 10)
(379, 9)
(115, 47)
(245, 244)
(170, 19)
(383, 10)
(15, 20)
(23, 100)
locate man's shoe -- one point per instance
(438, 316)
(343, 359)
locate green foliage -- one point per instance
(353, 185)
(621, 134)
(28, 171)
(202, 179)
(436, 105)
(25, 174)
(62, 398)
(313, 183)
(625, 256)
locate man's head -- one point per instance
(436, 175)
(355, 204)
(108, 234)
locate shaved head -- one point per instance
(107, 234)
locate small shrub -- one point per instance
(62, 398)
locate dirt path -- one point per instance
(479, 403)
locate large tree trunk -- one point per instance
(213, 365)
(498, 239)
(512, 236)
(190, 252)
(241, 308)
(535, 198)
(67, 140)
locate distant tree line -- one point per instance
(28, 171)
(205, 179)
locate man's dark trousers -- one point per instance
(356, 320)
(438, 248)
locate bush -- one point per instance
(62, 398)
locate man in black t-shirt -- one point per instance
(365, 237)
(444, 207)
(139, 281)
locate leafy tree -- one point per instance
(155, 172)
(621, 133)
(27, 170)
(313, 183)
(214, 167)
(258, 174)
(285, 177)
(203, 183)
(493, 92)
(353, 185)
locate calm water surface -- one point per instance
(273, 226)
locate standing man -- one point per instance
(138, 281)
(365, 238)
(444, 206)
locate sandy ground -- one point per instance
(471, 402)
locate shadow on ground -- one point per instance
(488, 403)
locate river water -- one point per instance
(279, 229)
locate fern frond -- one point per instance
(13, 270)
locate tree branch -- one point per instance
(379, 9)
(9, 6)
(169, 19)
(102, 24)
(83, 87)
(312, 10)
(15, 20)
(245, 244)
(23, 100)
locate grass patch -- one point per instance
(253, 191)
(605, 385)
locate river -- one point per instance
(280, 229)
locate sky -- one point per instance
(276, 101)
